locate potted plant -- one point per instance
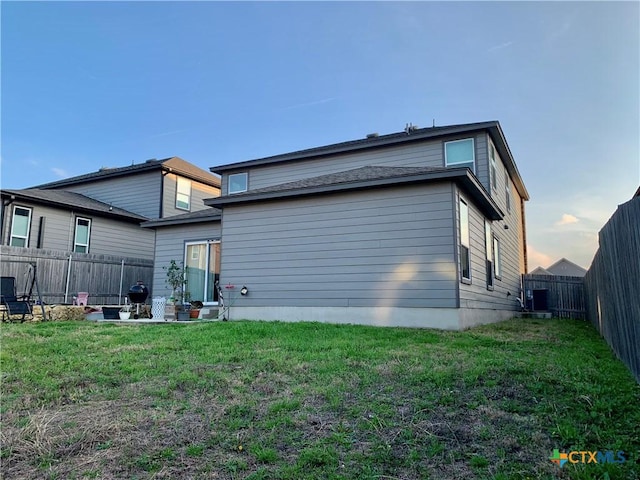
(176, 279)
(196, 305)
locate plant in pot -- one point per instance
(177, 280)
(196, 305)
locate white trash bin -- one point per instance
(157, 307)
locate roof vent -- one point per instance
(104, 169)
(410, 127)
(372, 135)
(151, 160)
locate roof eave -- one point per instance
(422, 134)
(505, 153)
(177, 222)
(462, 176)
(132, 218)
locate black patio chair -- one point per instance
(13, 304)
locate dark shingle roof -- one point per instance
(410, 135)
(205, 215)
(365, 178)
(172, 164)
(72, 201)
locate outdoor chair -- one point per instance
(13, 305)
(81, 299)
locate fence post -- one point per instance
(66, 288)
(121, 277)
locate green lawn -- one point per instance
(306, 400)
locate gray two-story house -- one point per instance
(100, 212)
(419, 228)
(98, 215)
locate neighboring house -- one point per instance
(420, 228)
(101, 212)
(540, 271)
(153, 189)
(71, 222)
(561, 267)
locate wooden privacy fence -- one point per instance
(561, 295)
(62, 275)
(613, 285)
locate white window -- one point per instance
(82, 234)
(507, 191)
(183, 194)
(20, 226)
(460, 153)
(496, 258)
(238, 182)
(489, 253)
(465, 257)
(494, 174)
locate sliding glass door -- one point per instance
(202, 260)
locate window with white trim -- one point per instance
(488, 243)
(238, 182)
(20, 226)
(183, 194)
(460, 153)
(81, 235)
(465, 254)
(494, 168)
(497, 263)
(507, 191)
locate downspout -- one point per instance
(163, 174)
(5, 204)
(524, 236)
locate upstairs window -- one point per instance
(238, 182)
(465, 256)
(183, 194)
(492, 165)
(20, 226)
(460, 153)
(81, 236)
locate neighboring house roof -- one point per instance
(171, 164)
(364, 178)
(71, 201)
(540, 271)
(206, 215)
(566, 267)
(410, 135)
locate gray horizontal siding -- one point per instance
(199, 192)
(388, 247)
(476, 294)
(169, 245)
(139, 193)
(424, 154)
(108, 237)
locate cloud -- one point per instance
(60, 173)
(500, 46)
(567, 219)
(537, 258)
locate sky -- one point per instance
(86, 85)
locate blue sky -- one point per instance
(93, 84)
